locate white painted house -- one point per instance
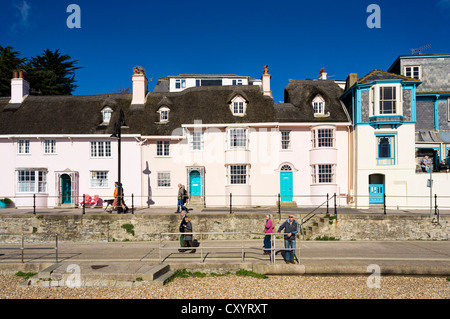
(394, 126)
(219, 140)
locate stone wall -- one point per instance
(146, 227)
(385, 227)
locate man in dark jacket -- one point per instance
(182, 229)
(290, 227)
(181, 198)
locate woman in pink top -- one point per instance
(268, 229)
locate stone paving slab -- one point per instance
(322, 257)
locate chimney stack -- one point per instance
(265, 79)
(352, 78)
(20, 87)
(323, 74)
(139, 86)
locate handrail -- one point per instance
(312, 212)
(273, 249)
(22, 244)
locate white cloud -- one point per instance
(22, 15)
(24, 11)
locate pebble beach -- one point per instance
(237, 287)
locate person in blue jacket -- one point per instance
(290, 227)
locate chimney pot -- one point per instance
(20, 87)
(265, 79)
(140, 85)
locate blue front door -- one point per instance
(195, 184)
(376, 193)
(66, 189)
(286, 186)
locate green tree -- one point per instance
(9, 61)
(52, 73)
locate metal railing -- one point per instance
(22, 243)
(274, 250)
(230, 202)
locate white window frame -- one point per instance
(106, 114)
(237, 82)
(23, 147)
(196, 141)
(164, 114)
(320, 138)
(238, 174)
(411, 71)
(318, 104)
(285, 140)
(164, 180)
(99, 179)
(375, 100)
(94, 149)
(49, 147)
(162, 148)
(448, 109)
(237, 138)
(323, 174)
(31, 180)
(238, 106)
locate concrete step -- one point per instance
(163, 279)
(155, 272)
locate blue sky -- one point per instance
(295, 38)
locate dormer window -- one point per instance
(164, 114)
(238, 105)
(414, 71)
(318, 105)
(106, 115)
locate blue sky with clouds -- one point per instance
(295, 38)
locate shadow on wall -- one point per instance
(147, 172)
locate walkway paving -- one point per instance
(221, 210)
(317, 257)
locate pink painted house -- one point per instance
(60, 147)
(216, 134)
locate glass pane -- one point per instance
(384, 147)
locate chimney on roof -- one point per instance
(20, 87)
(352, 78)
(139, 85)
(265, 79)
(322, 74)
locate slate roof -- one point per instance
(432, 137)
(377, 75)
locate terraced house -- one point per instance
(216, 134)
(399, 116)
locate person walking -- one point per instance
(290, 227)
(181, 198)
(118, 198)
(188, 236)
(182, 229)
(268, 230)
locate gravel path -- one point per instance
(236, 287)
